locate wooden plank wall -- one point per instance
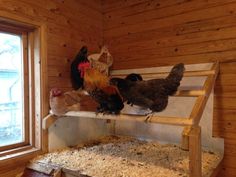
(70, 24)
(145, 33)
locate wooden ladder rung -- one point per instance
(190, 93)
(202, 100)
(165, 74)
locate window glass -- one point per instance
(11, 90)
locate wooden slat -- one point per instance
(27, 154)
(185, 138)
(202, 57)
(40, 168)
(178, 41)
(202, 100)
(176, 50)
(48, 121)
(190, 93)
(164, 74)
(152, 118)
(200, 14)
(199, 105)
(225, 103)
(15, 150)
(45, 140)
(194, 32)
(198, 108)
(143, 12)
(185, 32)
(195, 152)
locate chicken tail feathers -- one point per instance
(174, 78)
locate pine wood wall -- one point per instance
(144, 33)
(70, 24)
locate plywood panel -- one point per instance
(70, 131)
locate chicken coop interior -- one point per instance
(118, 88)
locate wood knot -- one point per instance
(54, 10)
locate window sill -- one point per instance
(19, 158)
(15, 163)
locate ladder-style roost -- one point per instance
(191, 135)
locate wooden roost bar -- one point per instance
(191, 135)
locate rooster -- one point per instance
(61, 103)
(78, 67)
(98, 87)
(152, 94)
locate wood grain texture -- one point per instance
(145, 33)
(69, 24)
(195, 149)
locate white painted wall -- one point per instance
(70, 131)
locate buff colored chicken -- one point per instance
(61, 103)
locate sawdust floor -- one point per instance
(127, 157)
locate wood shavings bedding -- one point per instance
(128, 157)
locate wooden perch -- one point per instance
(190, 93)
(199, 73)
(186, 74)
(202, 96)
(138, 118)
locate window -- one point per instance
(12, 90)
(22, 86)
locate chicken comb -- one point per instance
(55, 92)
